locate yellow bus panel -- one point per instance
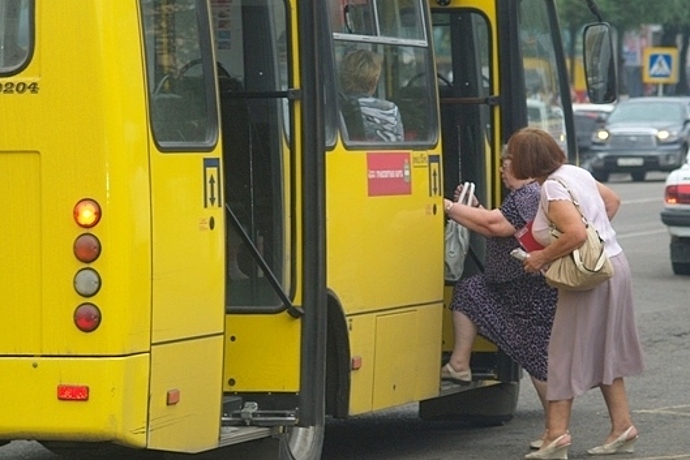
(262, 353)
(114, 411)
(362, 330)
(185, 390)
(189, 226)
(384, 243)
(399, 357)
(18, 215)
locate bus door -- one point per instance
(464, 41)
(384, 189)
(187, 227)
(534, 77)
(497, 61)
(254, 56)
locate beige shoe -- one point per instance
(623, 445)
(536, 445)
(462, 377)
(555, 450)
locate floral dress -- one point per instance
(510, 307)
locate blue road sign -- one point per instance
(660, 65)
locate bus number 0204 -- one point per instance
(20, 87)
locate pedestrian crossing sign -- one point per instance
(660, 65)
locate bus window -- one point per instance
(397, 106)
(15, 34)
(251, 39)
(465, 126)
(183, 111)
(540, 71)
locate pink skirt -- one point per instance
(594, 339)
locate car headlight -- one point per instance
(664, 136)
(600, 136)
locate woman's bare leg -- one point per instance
(465, 331)
(540, 387)
(619, 412)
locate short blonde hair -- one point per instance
(360, 71)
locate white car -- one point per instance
(676, 216)
(549, 118)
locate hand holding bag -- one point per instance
(585, 267)
(457, 238)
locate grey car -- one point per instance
(588, 118)
(640, 135)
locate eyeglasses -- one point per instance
(505, 164)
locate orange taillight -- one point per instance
(87, 213)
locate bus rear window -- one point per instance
(15, 34)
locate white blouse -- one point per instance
(584, 188)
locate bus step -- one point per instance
(230, 435)
(448, 388)
(260, 418)
(250, 414)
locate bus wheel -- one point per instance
(302, 443)
(485, 406)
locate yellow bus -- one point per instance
(206, 242)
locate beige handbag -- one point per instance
(585, 267)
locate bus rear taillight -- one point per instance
(87, 248)
(87, 213)
(87, 317)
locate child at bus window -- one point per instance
(508, 306)
(376, 119)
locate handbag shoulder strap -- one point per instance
(572, 197)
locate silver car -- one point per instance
(641, 134)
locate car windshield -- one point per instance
(649, 111)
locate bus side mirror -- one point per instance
(600, 63)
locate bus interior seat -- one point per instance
(351, 115)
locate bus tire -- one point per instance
(485, 406)
(302, 443)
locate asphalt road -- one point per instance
(659, 398)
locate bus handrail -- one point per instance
(293, 311)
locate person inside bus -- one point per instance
(594, 341)
(367, 117)
(511, 308)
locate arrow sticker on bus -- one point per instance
(212, 195)
(435, 175)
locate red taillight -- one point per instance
(87, 317)
(87, 213)
(677, 194)
(73, 392)
(87, 248)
